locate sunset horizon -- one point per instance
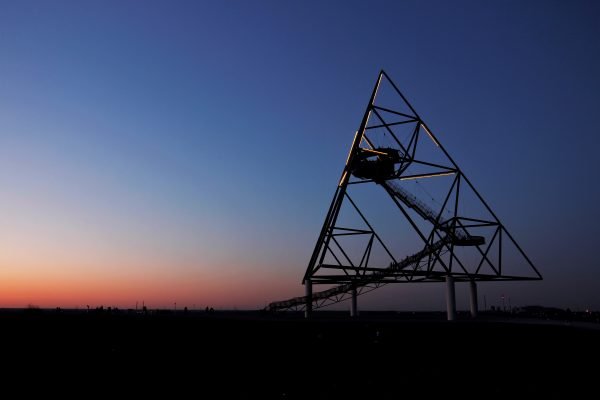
(187, 154)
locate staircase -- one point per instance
(456, 236)
(374, 277)
(459, 236)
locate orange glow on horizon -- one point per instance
(160, 293)
(65, 288)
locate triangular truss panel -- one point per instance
(453, 230)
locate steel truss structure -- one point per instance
(389, 167)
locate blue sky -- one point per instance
(202, 141)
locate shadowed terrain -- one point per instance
(256, 355)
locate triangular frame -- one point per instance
(438, 258)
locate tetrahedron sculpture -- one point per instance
(445, 229)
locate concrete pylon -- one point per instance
(354, 306)
(450, 298)
(308, 292)
(474, 304)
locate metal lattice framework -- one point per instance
(394, 146)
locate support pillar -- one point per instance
(308, 292)
(474, 305)
(354, 307)
(450, 298)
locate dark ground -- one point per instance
(254, 355)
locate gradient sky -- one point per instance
(187, 151)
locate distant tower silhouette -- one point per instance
(456, 237)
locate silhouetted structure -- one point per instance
(462, 240)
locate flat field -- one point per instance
(256, 355)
